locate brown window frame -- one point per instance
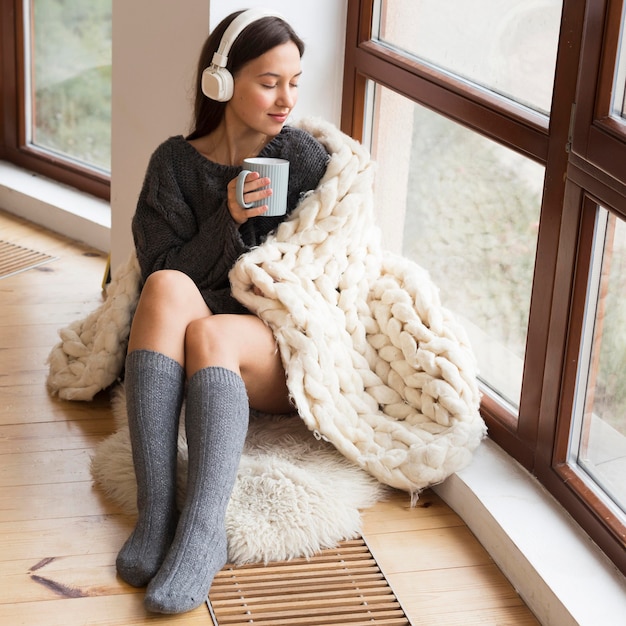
(599, 140)
(571, 146)
(13, 145)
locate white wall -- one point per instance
(155, 48)
(155, 43)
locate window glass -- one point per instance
(598, 445)
(68, 47)
(509, 49)
(466, 209)
(619, 91)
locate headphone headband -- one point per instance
(217, 81)
(220, 58)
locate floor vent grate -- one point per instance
(15, 259)
(343, 585)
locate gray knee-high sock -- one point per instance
(155, 387)
(216, 422)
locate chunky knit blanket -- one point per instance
(375, 364)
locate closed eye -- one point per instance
(268, 86)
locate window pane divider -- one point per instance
(517, 127)
(605, 189)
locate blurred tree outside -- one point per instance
(71, 82)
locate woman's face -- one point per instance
(266, 90)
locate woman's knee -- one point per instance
(168, 283)
(210, 342)
(172, 292)
(239, 334)
(205, 332)
(169, 301)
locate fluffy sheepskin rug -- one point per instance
(294, 495)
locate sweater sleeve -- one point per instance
(182, 221)
(309, 160)
(184, 224)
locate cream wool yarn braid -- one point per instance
(374, 363)
(90, 355)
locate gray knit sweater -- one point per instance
(182, 220)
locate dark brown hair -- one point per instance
(256, 39)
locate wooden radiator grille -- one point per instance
(14, 259)
(343, 585)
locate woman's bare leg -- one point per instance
(155, 385)
(169, 301)
(232, 363)
(245, 345)
(173, 319)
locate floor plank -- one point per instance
(100, 610)
(25, 543)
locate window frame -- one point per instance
(13, 145)
(555, 471)
(539, 435)
(599, 140)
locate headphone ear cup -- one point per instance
(217, 84)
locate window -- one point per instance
(510, 48)
(618, 104)
(598, 442)
(471, 216)
(504, 174)
(56, 89)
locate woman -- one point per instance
(189, 337)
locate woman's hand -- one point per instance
(252, 192)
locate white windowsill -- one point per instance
(59, 208)
(563, 577)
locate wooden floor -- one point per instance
(59, 537)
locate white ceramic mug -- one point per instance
(277, 170)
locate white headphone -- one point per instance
(217, 81)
